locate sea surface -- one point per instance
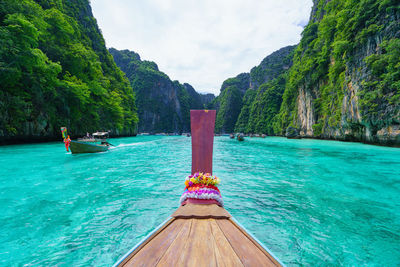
(311, 202)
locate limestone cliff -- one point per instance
(242, 104)
(349, 89)
(163, 105)
(229, 102)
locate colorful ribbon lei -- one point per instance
(202, 186)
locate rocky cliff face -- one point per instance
(197, 101)
(163, 105)
(365, 107)
(242, 104)
(271, 66)
(229, 102)
(206, 99)
(262, 101)
(341, 82)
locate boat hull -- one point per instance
(199, 235)
(83, 147)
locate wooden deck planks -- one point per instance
(190, 241)
(225, 254)
(199, 249)
(247, 251)
(151, 253)
(200, 243)
(171, 256)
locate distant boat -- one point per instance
(240, 137)
(232, 136)
(200, 232)
(89, 144)
(85, 147)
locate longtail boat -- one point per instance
(96, 143)
(87, 147)
(200, 232)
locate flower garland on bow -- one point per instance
(202, 186)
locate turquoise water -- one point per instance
(310, 202)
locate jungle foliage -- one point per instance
(55, 71)
(336, 52)
(333, 46)
(163, 105)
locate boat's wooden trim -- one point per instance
(132, 252)
(256, 242)
(201, 211)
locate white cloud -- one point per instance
(202, 42)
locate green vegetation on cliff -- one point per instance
(229, 109)
(55, 71)
(264, 99)
(342, 81)
(249, 102)
(163, 105)
(382, 88)
(243, 118)
(345, 65)
(265, 107)
(229, 102)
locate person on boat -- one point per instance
(67, 141)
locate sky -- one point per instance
(202, 42)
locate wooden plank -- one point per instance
(200, 248)
(256, 243)
(152, 251)
(225, 254)
(201, 211)
(165, 225)
(170, 257)
(248, 252)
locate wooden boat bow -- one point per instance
(200, 234)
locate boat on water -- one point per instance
(97, 142)
(240, 137)
(87, 147)
(200, 232)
